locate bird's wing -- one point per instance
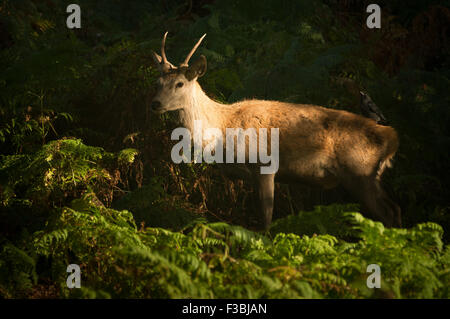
(374, 108)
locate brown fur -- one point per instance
(317, 145)
(318, 142)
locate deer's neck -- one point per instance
(201, 107)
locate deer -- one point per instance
(318, 146)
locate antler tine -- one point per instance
(163, 49)
(186, 61)
(165, 65)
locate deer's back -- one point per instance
(316, 142)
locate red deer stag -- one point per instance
(317, 145)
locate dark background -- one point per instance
(96, 84)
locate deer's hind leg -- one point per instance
(374, 201)
(394, 208)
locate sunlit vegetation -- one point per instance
(85, 170)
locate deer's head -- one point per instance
(176, 84)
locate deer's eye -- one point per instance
(179, 84)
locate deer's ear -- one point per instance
(197, 69)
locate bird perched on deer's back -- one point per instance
(370, 109)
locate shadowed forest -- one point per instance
(86, 175)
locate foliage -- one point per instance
(217, 260)
(85, 170)
(61, 169)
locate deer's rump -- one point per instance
(320, 145)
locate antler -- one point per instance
(163, 64)
(163, 49)
(186, 61)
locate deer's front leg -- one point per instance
(265, 184)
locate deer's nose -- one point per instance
(156, 105)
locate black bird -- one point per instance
(370, 109)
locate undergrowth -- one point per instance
(85, 170)
(318, 254)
